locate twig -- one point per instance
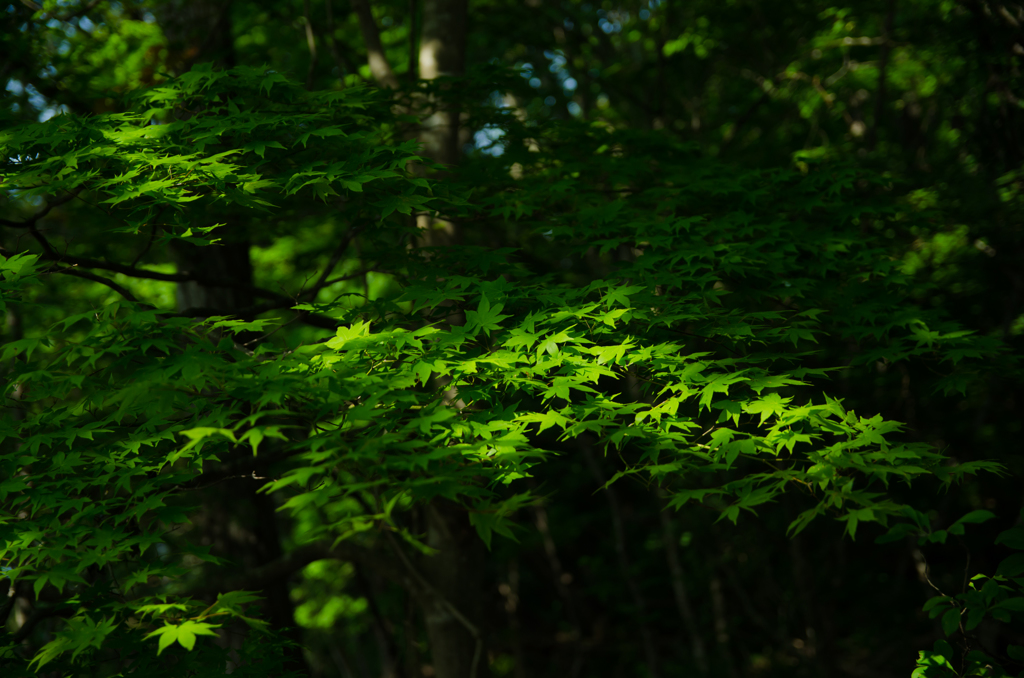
(469, 626)
(742, 120)
(305, 317)
(258, 578)
(926, 571)
(679, 586)
(619, 533)
(339, 251)
(149, 243)
(555, 563)
(721, 625)
(340, 59)
(5, 609)
(748, 605)
(412, 73)
(385, 639)
(99, 279)
(38, 615)
(967, 565)
(550, 549)
(699, 336)
(279, 301)
(31, 221)
(883, 62)
(70, 15)
(49, 253)
(350, 276)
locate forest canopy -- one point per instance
(455, 339)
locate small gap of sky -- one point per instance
(35, 99)
(69, 28)
(487, 140)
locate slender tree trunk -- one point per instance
(442, 53)
(228, 261)
(643, 629)
(883, 62)
(682, 597)
(455, 572)
(239, 524)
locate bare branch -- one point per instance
(148, 244)
(258, 578)
(766, 95)
(50, 254)
(31, 221)
(339, 62)
(425, 587)
(305, 317)
(99, 279)
(335, 258)
(414, 62)
(619, 535)
(883, 61)
(38, 615)
(679, 586)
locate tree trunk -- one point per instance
(453, 609)
(239, 524)
(196, 31)
(226, 261)
(456, 571)
(442, 53)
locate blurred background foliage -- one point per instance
(924, 92)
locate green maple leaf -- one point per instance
(184, 633)
(485, 317)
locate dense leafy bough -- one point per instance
(681, 337)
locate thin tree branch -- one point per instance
(5, 609)
(721, 624)
(883, 62)
(700, 336)
(561, 583)
(555, 563)
(385, 638)
(745, 117)
(258, 578)
(434, 593)
(621, 553)
(775, 633)
(339, 251)
(31, 221)
(65, 17)
(351, 276)
(412, 72)
(149, 243)
(339, 61)
(98, 279)
(305, 317)
(38, 615)
(379, 66)
(679, 587)
(50, 254)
